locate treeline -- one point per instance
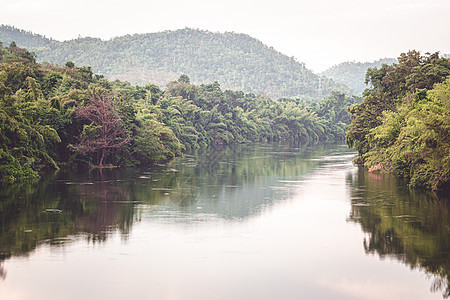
(23, 37)
(52, 114)
(403, 124)
(237, 61)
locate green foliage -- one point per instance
(31, 125)
(25, 143)
(417, 145)
(69, 64)
(16, 54)
(390, 86)
(402, 126)
(155, 142)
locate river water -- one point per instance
(259, 221)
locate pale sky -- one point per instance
(320, 33)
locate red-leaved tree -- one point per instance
(105, 131)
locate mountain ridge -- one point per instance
(236, 60)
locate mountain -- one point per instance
(236, 61)
(353, 74)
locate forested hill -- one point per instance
(353, 74)
(236, 61)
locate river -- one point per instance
(260, 221)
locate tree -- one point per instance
(155, 142)
(105, 132)
(184, 78)
(389, 87)
(415, 141)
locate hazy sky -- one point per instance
(320, 33)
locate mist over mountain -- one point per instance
(236, 61)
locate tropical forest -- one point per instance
(54, 115)
(208, 165)
(403, 124)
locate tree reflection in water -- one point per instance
(413, 227)
(94, 204)
(2, 270)
(57, 212)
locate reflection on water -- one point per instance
(207, 217)
(413, 227)
(232, 183)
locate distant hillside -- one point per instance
(236, 61)
(353, 74)
(22, 37)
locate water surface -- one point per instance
(245, 222)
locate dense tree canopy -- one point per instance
(402, 124)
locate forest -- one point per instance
(57, 115)
(237, 61)
(403, 124)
